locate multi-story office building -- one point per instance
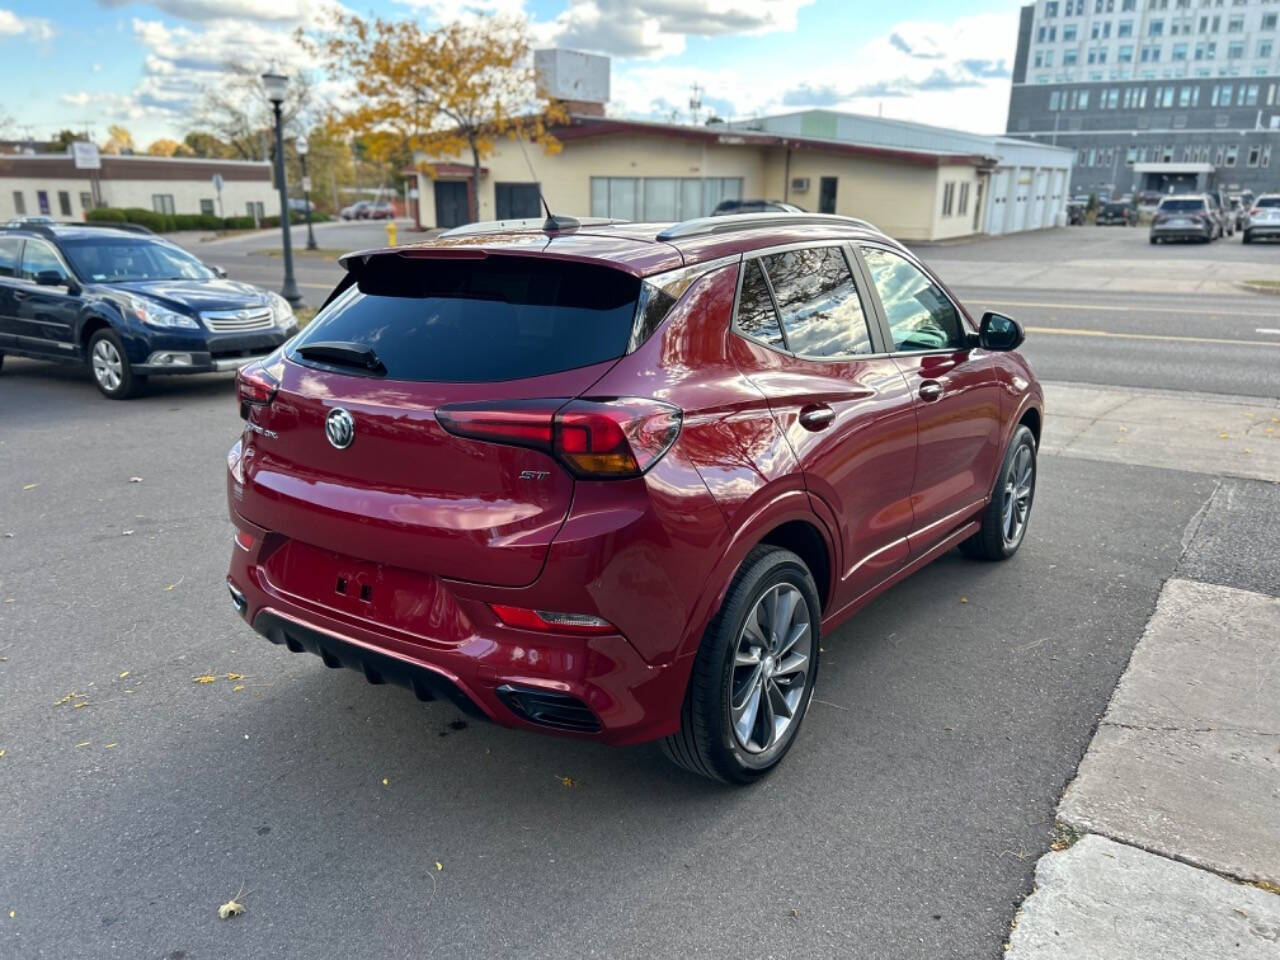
(1153, 94)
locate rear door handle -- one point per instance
(20, 295)
(930, 390)
(816, 416)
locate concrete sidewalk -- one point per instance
(1203, 433)
(1183, 782)
(1093, 275)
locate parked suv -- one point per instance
(128, 304)
(1116, 213)
(1262, 221)
(619, 482)
(1185, 217)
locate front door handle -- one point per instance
(930, 390)
(20, 295)
(816, 416)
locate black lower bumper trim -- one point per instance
(425, 684)
(549, 709)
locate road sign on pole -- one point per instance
(217, 185)
(86, 155)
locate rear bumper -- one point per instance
(1183, 233)
(1267, 229)
(591, 687)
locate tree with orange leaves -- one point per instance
(438, 93)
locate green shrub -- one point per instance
(107, 215)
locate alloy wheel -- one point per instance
(1019, 483)
(771, 664)
(108, 367)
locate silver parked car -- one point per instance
(1262, 220)
(1188, 216)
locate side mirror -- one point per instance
(1000, 333)
(219, 272)
(51, 278)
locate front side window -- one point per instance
(818, 303)
(921, 317)
(38, 257)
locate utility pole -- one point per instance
(695, 103)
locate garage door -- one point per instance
(999, 203)
(1021, 200)
(1039, 192)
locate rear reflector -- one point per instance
(254, 386)
(244, 541)
(547, 621)
(594, 439)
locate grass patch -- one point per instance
(305, 315)
(1064, 836)
(1269, 284)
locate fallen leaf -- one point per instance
(567, 781)
(386, 782)
(10, 600)
(1247, 450)
(172, 585)
(439, 866)
(237, 688)
(83, 743)
(205, 678)
(1123, 428)
(10, 914)
(232, 908)
(1224, 436)
(135, 479)
(964, 599)
(1, 753)
(126, 533)
(123, 675)
(111, 746)
(235, 676)
(82, 703)
(31, 486)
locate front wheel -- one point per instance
(110, 366)
(754, 673)
(1004, 521)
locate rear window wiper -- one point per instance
(343, 353)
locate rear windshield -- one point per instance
(500, 318)
(1114, 208)
(1181, 206)
(1268, 202)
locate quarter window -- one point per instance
(921, 317)
(818, 302)
(756, 316)
(9, 256)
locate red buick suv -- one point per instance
(616, 481)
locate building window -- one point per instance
(1179, 52)
(86, 200)
(1131, 157)
(206, 208)
(1251, 95)
(1235, 25)
(1051, 8)
(1125, 54)
(1053, 100)
(19, 203)
(162, 202)
(1232, 152)
(1124, 28)
(255, 209)
(1069, 32)
(948, 198)
(1255, 153)
(962, 206)
(1235, 50)
(1266, 156)
(1268, 21)
(661, 198)
(64, 203)
(1070, 58)
(1264, 49)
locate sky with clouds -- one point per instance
(78, 63)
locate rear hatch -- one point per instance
(421, 334)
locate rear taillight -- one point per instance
(254, 387)
(1255, 211)
(594, 439)
(548, 621)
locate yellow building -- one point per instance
(641, 171)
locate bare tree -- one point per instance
(237, 112)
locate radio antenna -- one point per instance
(553, 224)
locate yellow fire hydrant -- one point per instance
(391, 233)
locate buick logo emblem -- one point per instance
(340, 428)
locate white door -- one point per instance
(999, 203)
(1040, 190)
(1021, 200)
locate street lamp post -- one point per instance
(275, 85)
(306, 191)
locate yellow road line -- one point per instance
(1069, 332)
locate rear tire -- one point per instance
(1, 359)
(110, 368)
(1154, 240)
(754, 672)
(1246, 237)
(1005, 519)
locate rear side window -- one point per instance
(818, 301)
(1268, 202)
(1181, 206)
(499, 318)
(9, 256)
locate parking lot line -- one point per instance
(1272, 331)
(1069, 332)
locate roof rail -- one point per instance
(45, 229)
(527, 225)
(705, 226)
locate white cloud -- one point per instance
(275, 11)
(659, 28)
(33, 28)
(949, 74)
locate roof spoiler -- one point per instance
(548, 225)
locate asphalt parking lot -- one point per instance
(906, 823)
